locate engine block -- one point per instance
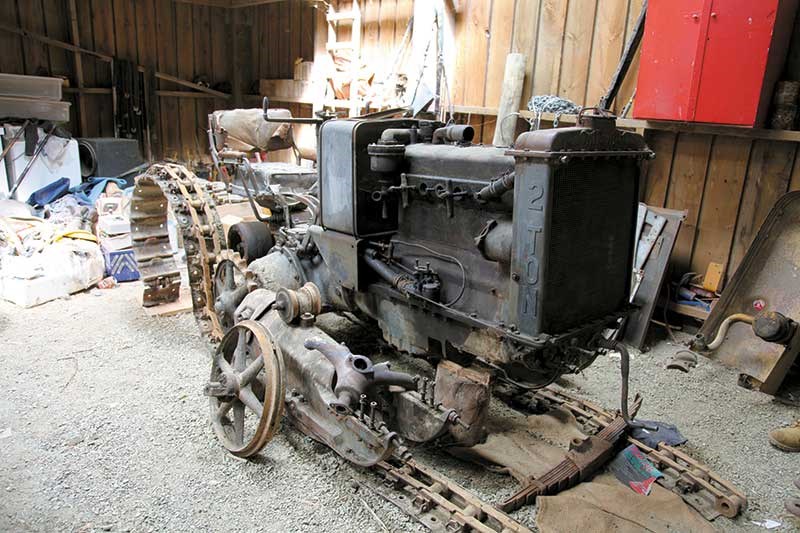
(514, 258)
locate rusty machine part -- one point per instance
(246, 390)
(765, 281)
(469, 256)
(424, 233)
(437, 501)
(251, 240)
(293, 304)
(170, 187)
(363, 411)
(229, 289)
(352, 405)
(582, 461)
(702, 488)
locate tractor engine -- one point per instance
(516, 259)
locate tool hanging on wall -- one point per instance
(133, 114)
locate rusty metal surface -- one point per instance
(171, 187)
(585, 457)
(246, 390)
(655, 268)
(467, 390)
(437, 501)
(595, 136)
(341, 417)
(703, 489)
(768, 274)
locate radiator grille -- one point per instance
(592, 223)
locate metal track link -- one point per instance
(698, 485)
(438, 502)
(170, 187)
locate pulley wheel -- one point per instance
(230, 288)
(246, 390)
(251, 240)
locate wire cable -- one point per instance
(445, 257)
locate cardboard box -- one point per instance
(116, 243)
(113, 225)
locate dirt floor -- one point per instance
(104, 428)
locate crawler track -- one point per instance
(437, 501)
(170, 187)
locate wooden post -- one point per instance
(510, 98)
(355, 66)
(237, 58)
(73, 20)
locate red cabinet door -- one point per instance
(737, 49)
(671, 57)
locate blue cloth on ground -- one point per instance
(49, 193)
(666, 433)
(90, 190)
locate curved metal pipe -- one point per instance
(399, 135)
(725, 326)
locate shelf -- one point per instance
(679, 127)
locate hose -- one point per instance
(455, 133)
(725, 326)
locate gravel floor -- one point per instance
(104, 428)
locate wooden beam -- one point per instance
(104, 57)
(184, 94)
(231, 4)
(192, 85)
(212, 3)
(237, 55)
(54, 42)
(87, 90)
(78, 59)
(248, 3)
(632, 123)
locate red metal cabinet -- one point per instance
(712, 60)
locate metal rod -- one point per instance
(627, 58)
(14, 139)
(33, 159)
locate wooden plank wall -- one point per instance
(572, 49)
(727, 185)
(188, 41)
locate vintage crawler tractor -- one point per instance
(495, 265)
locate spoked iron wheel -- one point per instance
(246, 390)
(230, 288)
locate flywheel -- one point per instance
(247, 389)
